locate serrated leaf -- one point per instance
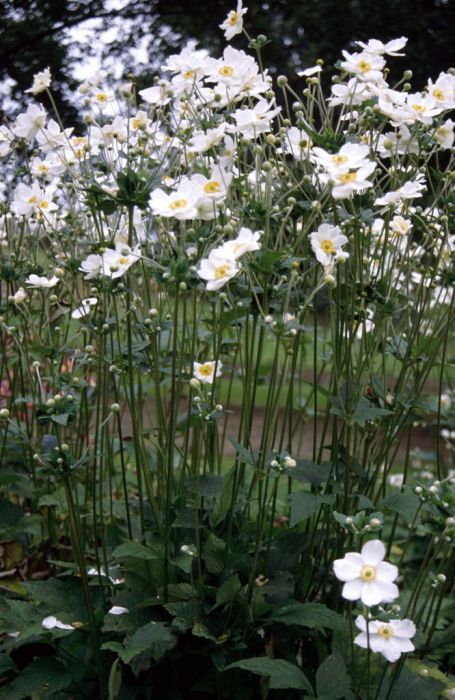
(305, 504)
(134, 550)
(282, 674)
(213, 553)
(331, 678)
(308, 615)
(41, 678)
(228, 590)
(404, 503)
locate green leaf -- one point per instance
(308, 615)
(331, 678)
(404, 503)
(181, 591)
(305, 504)
(410, 686)
(365, 411)
(282, 674)
(228, 590)
(40, 679)
(309, 473)
(61, 418)
(245, 455)
(154, 637)
(134, 550)
(223, 500)
(213, 553)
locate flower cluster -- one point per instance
(367, 577)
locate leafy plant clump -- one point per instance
(226, 423)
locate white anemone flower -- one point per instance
(233, 24)
(180, 204)
(116, 262)
(366, 576)
(246, 242)
(51, 622)
(207, 371)
(410, 190)
(327, 243)
(41, 81)
(28, 123)
(444, 135)
(91, 266)
(350, 156)
(377, 47)
(218, 269)
(41, 282)
(84, 308)
(365, 66)
(391, 639)
(346, 184)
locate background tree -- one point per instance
(57, 33)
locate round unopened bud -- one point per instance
(218, 407)
(195, 384)
(115, 407)
(64, 447)
(4, 413)
(441, 578)
(59, 272)
(183, 286)
(89, 348)
(450, 522)
(407, 75)
(292, 201)
(36, 364)
(270, 139)
(267, 166)
(433, 489)
(330, 280)
(282, 80)
(375, 522)
(349, 520)
(418, 490)
(50, 403)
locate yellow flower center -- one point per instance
(418, 108)
(101, 97)
(233, 18)
(438, 94)
(327, 246)
(123, 260)
(43, 204)
(368, 573)
(188, 74)
(206, 370)
(385, 631)
(222, 271)
(138, 123)
(178, 204)
(212, 186)
(43, 168)
(226, 71)
(339, 159)
(364, 66)
(348, 177)
(32, 200)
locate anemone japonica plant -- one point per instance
(226, 425)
